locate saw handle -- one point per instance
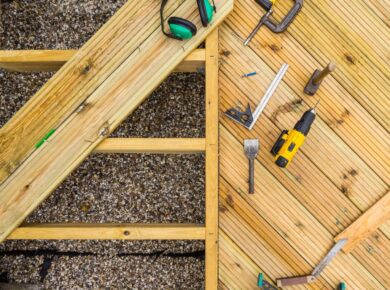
(295, 280)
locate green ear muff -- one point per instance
(206, 11)
(181, 28)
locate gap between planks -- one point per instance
(53, 60)
(119, 231)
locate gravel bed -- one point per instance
(108, 188)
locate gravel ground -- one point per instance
(139, 188)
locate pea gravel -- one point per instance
(108, 188)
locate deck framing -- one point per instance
(207, 145)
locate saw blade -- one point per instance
(328, 258)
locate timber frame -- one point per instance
(200, 58)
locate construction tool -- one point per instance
(289, 142)
(249, 74)
(264, 284)
(251, 148)
(317, 77)
(342, 286)
(317, 271)
(274, 27)
(247, 119)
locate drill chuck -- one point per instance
(305, 122)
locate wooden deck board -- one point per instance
(342, 169)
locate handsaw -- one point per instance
(317, 270)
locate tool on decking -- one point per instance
(249, 74)
(273, 26)
(247, 118)
(289, 142)
(317, 77)
(181, 28)
(317, 271)
(265, 285)
(251, 148)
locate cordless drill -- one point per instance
(289, 142)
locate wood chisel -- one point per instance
(251, 148)
(247, 119)
(317, 271)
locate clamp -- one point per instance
(274, 26)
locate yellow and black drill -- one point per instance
(289, 142)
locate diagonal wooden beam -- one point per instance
(366, 224)
(53, 60)
(92, 115)
(123, 231)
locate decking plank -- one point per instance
(311, 188)
(363, 188)
(341, 112)
(287, 216)
(381, 8)
(363, 70)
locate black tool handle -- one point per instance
(251, 176)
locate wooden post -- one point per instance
(212, 161)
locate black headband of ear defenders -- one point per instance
(163, 4)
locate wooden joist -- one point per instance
(108, 232)
(88, 98)
(152, 145)
(212, 172)
(366, 224)
(53, 60)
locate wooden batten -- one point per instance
(108, 232)
(212, 172)
(53, 60)
(152, 145)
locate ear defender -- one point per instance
(181, 28)
(206, 11)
